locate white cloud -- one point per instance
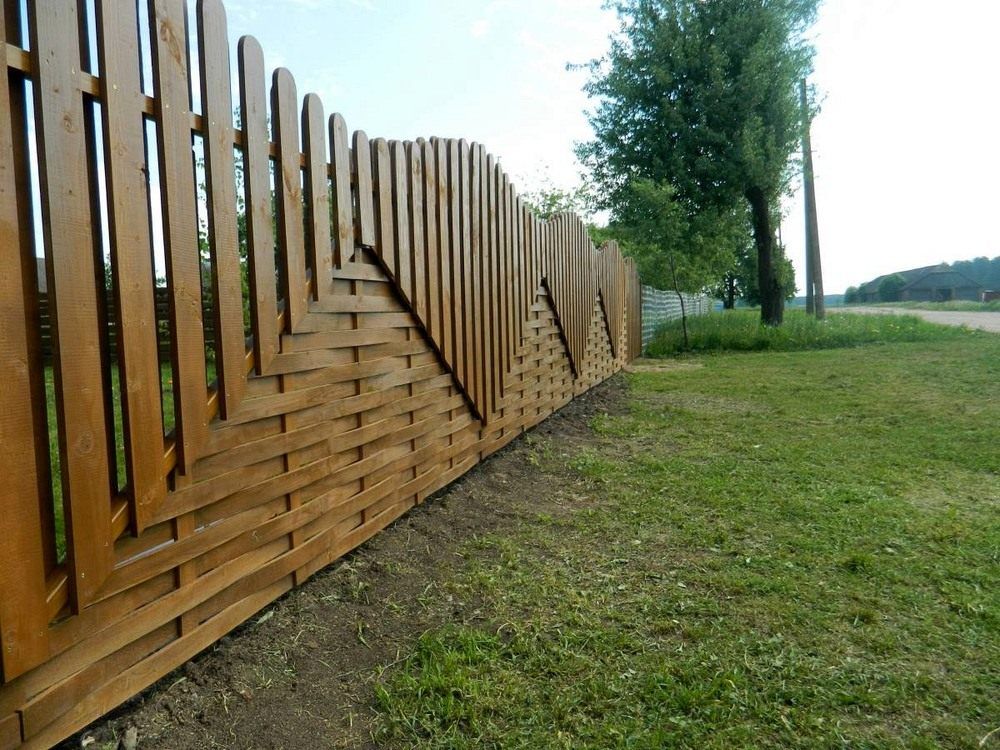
(480, 28)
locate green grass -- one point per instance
(776, 550)
(741, 330)
(957, 305)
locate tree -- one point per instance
(741, 282)
(547, 199)
(673, 250)
(890, 287)
(702, 95)
(852, 295)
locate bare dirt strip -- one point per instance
(302, 673)
(984, 321)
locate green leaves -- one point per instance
(698, 98)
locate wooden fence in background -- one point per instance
(409, 316)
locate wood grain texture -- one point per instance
(259, 214)
(180, 226)
(428, 318)
(23, 624)
(288, 198)
(220, 203)
(72, 269)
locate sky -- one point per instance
(905, 146)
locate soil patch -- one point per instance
(302, 673)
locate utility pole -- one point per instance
(814, 268)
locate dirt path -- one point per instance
(984, 321)
(303, 673)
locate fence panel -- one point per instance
(409, 316)
(660, 306)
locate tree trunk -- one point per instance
(772, 301)
(729, 300)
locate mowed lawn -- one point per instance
(777, 549)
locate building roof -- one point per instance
(943, 277)
(910, 276)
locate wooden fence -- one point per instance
(409, 316)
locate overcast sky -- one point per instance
(906, 151)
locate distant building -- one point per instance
(928, 284)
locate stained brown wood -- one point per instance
(62, 162)
(385, 242)
(220, 201)
(23, 621)
(288, 198)
(361, 160)
(447, 320)
(257, 184)
(319, 239)
(464, 257)
(416, 218)
(180, 226)
(131, 260)
(432, 258)
(343, 212)
(402, 262)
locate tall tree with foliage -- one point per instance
(702, 95)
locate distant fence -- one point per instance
(659, 306)
(166, 476)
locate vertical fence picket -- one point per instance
(465, 275)
(441, 174)
(418, 265)
(361, 165)
(220, 201)
(456, 286)
(343, 209)
(432, 246)
(180, 225)
(385, 245)
(66, 214)
(23, 616)
(288, 198)
(474, 272)
(503, 278)
(488, 278)
(131, 257)
(260, 216)
(319, 237)
(516, 255)
(399, 180)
